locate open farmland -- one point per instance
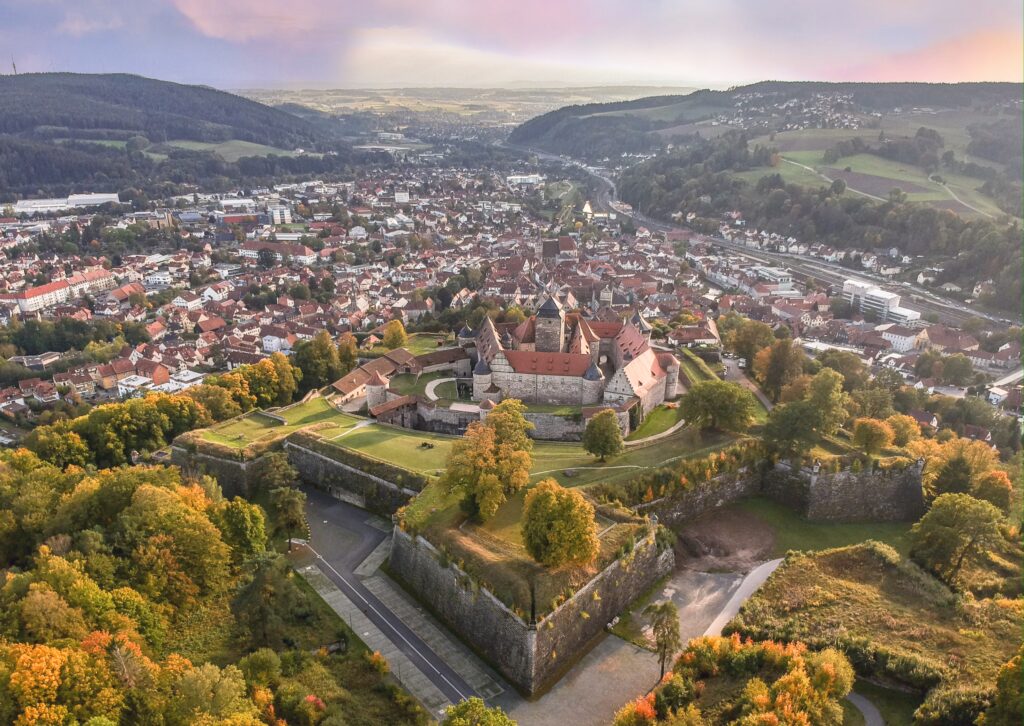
(876, 176)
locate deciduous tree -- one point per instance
(394, 335)
(603, 437)
(778, 365)
(319, 361)
(790, 429)
(904, 428)
(719, 405)
(871, 435)
(474, 712)
(558, 525)
(492, 459)
(288, 506)
(664, 618)
(827, 401)
(957, 527)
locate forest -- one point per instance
(119, 106)
(33, 167)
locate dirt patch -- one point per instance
(880, 186)
(724, 540)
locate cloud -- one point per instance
(988, 55)
(488, 42)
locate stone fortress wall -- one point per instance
(530, 655)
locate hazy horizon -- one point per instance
(322, 44)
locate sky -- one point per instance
(236, 44)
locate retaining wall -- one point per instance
(531, 656)
(893, 495)
(236, 477)
(347, 482)
(702, 497)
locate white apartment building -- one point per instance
(871, 299)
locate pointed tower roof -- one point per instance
(593, 373)
(376, 380)
(550, 308)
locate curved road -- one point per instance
(341, 539)
(872, 716)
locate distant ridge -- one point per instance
(607, 129)
(115, 107)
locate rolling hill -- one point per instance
(599, 130)
(67, 132)
(116, 107)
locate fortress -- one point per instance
(555, 357)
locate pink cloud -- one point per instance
(989, 55)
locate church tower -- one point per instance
(549, 327)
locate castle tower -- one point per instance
(482, 380)
(466, 337)
(376, 390)
(593, 385)
(549, 327)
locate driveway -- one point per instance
(734, 374)
(341, 538)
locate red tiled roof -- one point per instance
(550, 364)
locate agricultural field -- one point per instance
(232, 150)
(802, 163)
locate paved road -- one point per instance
(342, 539)
(753, 580)
(872, 716)
(733, 373)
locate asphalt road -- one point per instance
(734, 374)
(341, 539)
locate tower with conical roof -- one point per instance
(376, 390)
(549, 327)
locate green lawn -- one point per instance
(417, 344)
(658, 421)
(400, 447)
(790, 173)
(447, 391)
(231, 151)
(240, 432)
(896, 707)
(695, 368)
(554, 409)
(410, 384)
(792, 532)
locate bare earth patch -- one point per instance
(724, 540)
